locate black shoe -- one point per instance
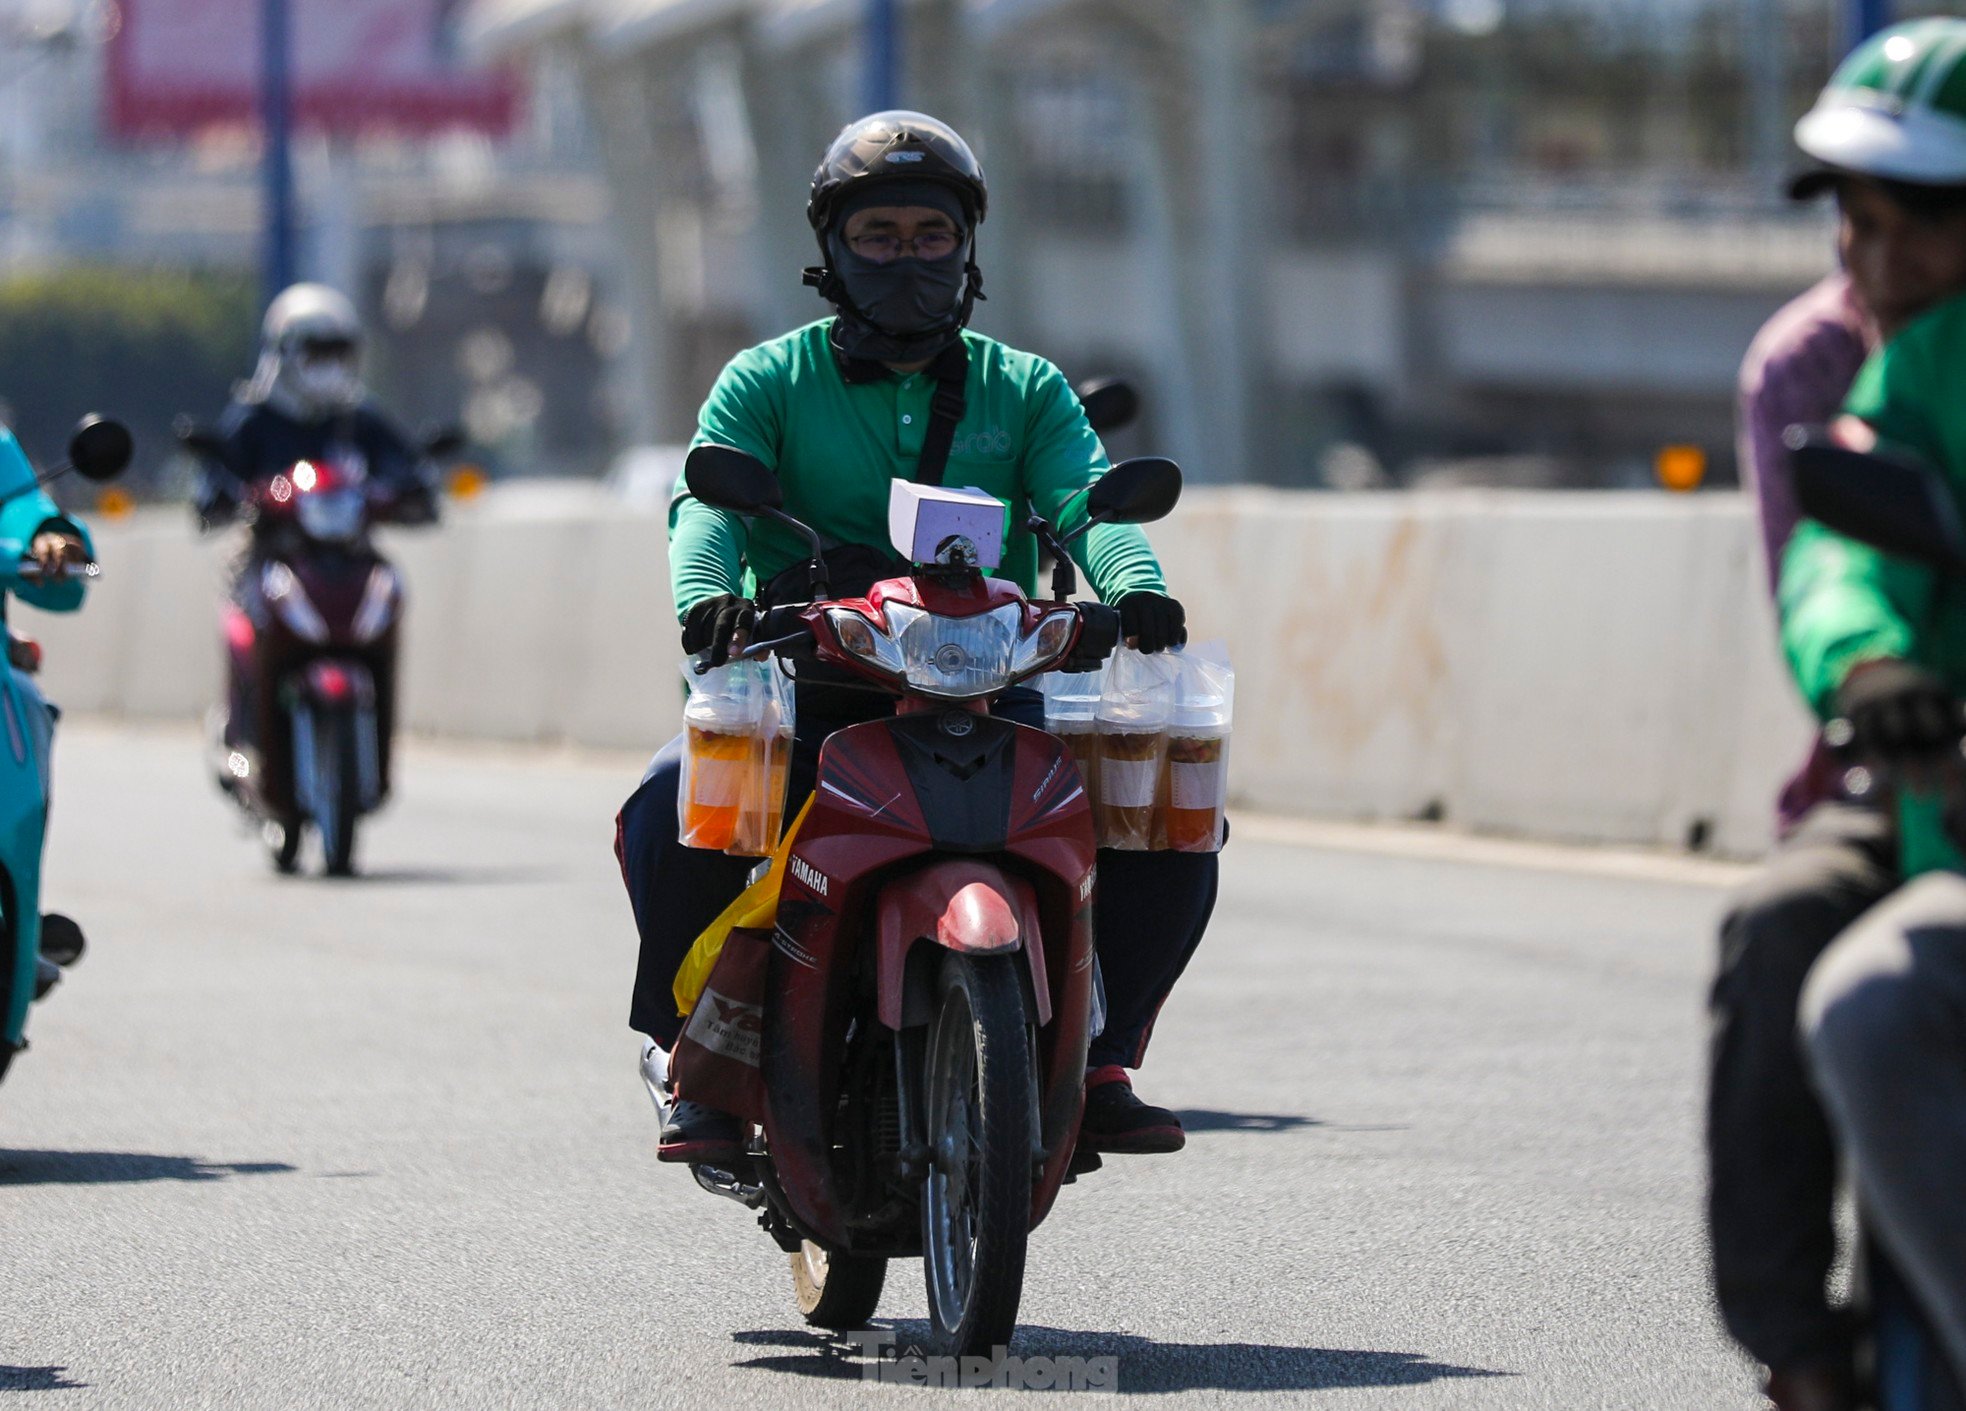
(1118, 1121)
(700, 1135)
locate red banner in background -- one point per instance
(177, 66)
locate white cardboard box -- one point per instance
(921, 518)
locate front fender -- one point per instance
(972, 907)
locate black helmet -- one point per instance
(896, 145)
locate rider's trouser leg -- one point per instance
(676, 891)
(1772, 1165)
(1884, 1021)
(1150, 914)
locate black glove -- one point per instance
(1152, 622)
(1899, 711)
(710, 624)
(1098, 635)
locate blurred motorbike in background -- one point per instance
(35, 948)
(311, 640)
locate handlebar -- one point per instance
(758, 651)
(30, 571)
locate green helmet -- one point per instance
(1895, 109)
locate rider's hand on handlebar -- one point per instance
(53, 548)
(1152, 622)
(1899, 712)
(1099, 633)
(713, 624)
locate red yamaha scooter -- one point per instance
(910, 1050)
(311, 643)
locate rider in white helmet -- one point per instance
(1888, 138)
(306, 401)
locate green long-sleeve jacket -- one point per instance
(1842, 602)
(838, 446)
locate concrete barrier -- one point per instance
(1593, 667)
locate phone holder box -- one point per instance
(925, 521)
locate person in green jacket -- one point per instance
(1880, 641)
(840, 410)
(1888, 137)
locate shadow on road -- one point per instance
(104, 1168)
(1144, 1366)
(456, 876)
(1201, 1119)
(37, 1379)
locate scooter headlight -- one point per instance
(866, 642)
(956, 658)
(1045, 644)
(333, 516)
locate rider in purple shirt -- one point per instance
(1796, 373)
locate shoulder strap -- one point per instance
(951, 373)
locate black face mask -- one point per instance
(902, 311)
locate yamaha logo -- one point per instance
(958, 723)
(810, 875)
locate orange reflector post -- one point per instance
(115, 503)
(1681, 468)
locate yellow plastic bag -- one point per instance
(756, 906)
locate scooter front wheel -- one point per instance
(339, 782)
(978, 1111)
(837, 1291)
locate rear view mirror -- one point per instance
(1109, 402)
(100, 449)
(1890, 501)
(443, 443)
(729, 479)
(1136, 491)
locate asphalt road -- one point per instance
(381, 1144)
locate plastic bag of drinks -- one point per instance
(1071, 712)
(737, 758)
(1136, 707)
(1197, 790)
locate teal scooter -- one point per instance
(34, 949)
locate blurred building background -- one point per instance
(1340, 243)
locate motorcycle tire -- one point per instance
(339, 772)
(837, 1291)
(978, 1101)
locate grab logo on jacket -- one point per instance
(992, 442)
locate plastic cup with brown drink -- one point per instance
(723, 726)
(719, 763)
(1071, 712)
(1132, 749)
(1197, 786)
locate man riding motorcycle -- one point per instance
(306, 402)
(895, 387)
(1889, 133)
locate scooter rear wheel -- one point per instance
(978, 1117)
(837, 1291)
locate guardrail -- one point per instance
(1593, 666)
